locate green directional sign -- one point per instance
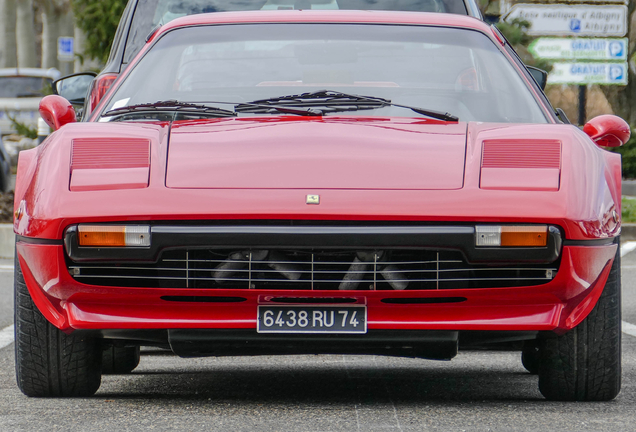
(606, 49)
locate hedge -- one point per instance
(629, 157)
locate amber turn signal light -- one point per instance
(113, 236)
(511, 235)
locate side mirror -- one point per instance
(539, 75)
(74, 88)
(608, 130)
(56, 111)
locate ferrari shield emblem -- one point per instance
(313, 199)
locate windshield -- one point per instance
(451, 70)
(150, 13)
(24, 86)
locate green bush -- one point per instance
(629, 210)
(629, 157)
(22, 129)
(98, 19)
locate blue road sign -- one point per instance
(66, 49)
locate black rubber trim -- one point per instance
(432, 344)
(204, 299)
(467, 338)
(423, 300)
(242, 237)
(488, 339)
(593, 242)
(33, 240)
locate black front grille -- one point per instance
(328, 269)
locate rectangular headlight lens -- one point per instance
(511, 235)
(114, 235)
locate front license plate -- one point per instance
(312, 319)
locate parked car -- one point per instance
(20, 93)
(320, 182)
(142, 17)
(5, 167)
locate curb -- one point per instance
(628, 231)
(629, 187)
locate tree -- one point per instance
(53, 12)
(25, 30)
(98, 19)
(8, 47)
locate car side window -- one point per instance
(142, 24)
(119, 34)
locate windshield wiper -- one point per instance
(172, 106)
(266, 108)
(327, 101)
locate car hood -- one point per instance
(325, 153)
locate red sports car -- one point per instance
(332, 182)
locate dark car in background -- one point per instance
(142, 17)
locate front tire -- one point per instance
(585, 363)
(530, 357)
(48, 362)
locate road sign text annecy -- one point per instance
(572, 20)
(589, 73)
(579, 49)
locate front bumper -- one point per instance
(558, 305)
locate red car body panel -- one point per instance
(303, 155)
(363, 168)
(583, 206)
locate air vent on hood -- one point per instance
(521, 165)
(528, 154)
(109, 163)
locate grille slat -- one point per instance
(315, 280)
(322, 271)
(312, 270)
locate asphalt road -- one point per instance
(477, 391)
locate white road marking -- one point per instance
(627, 247)
(6, 336)
(629, 329)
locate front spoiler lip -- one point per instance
(455, 237)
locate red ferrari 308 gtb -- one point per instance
(333, 182)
